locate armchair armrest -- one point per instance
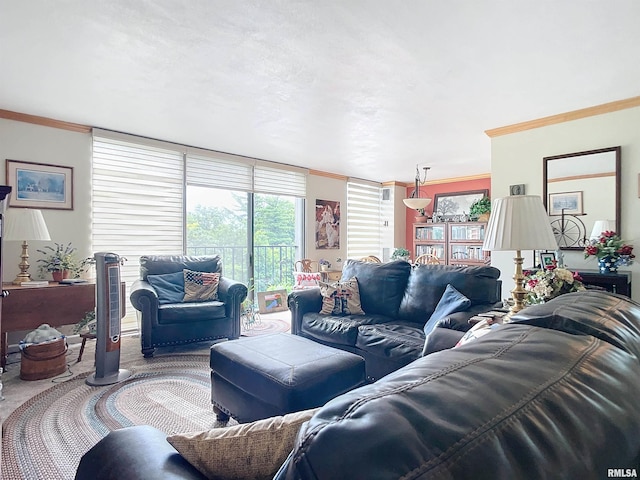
(301, 302)
(142, 293)
(232, 294)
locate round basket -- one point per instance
(43, 360)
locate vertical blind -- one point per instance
(363, 219)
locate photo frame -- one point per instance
(570, 202)
(452, 206)
(327, 224)
(40, 185)
(272, 301)
(547, 259)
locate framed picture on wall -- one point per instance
(327, 224)
(448, 206)
(40, 185)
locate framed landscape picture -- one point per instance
(570, 202)
(40, 185)
(448, 206)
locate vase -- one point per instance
(59, 275)
(608, 264)
(421, 219)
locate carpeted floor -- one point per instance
(33, 409)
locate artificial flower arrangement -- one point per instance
(545, 284)
(609, 244)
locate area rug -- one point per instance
(266, 325)
(46, 436)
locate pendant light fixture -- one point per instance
(415, 201)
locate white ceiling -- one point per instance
(354, 87)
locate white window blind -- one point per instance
(363, 219)
(137, 201)
(232, 172)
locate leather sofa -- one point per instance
(553, 394)
(178, 322)
(397, 299)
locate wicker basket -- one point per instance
(43, 360)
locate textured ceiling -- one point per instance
(359, 88)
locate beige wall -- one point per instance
(34, 143)
(517, 158)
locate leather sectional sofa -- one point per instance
(553, 394)
(397, 299)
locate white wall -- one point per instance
(517, 158)
(34, 143)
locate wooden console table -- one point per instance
(612, 282)
(26, 308)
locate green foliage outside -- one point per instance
(223, 230)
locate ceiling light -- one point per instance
(415, 201)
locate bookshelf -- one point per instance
(454, 243)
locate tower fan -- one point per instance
(108, 315)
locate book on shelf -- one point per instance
(34, 283)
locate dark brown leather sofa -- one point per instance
(164, 324)
(552, 395)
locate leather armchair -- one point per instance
(165, 324)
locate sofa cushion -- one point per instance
(189, 312)
(427, 283)
(247, 451)
(341, 298)
(335, 329)
(402, 342)
(452, 301)
(303, 280)
(168, 286)
(381, 285)
(200, 286)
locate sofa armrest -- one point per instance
(142, 293)
(140, 452)
(441, 338)
(301, 302)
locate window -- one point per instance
(363, 219)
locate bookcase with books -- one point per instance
(454, 243)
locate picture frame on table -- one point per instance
(39, 185)
(454, 206)
(272, 301)
(547, 259)
(569, 202)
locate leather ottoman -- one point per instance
(264, 376)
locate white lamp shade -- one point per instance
(416, 203)
(519, 222)
(601, 226)
(25, 224)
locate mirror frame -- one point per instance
(618, 176)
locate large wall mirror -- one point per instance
(580, 189)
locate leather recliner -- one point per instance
(185, 322)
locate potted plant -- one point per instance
(61, 261)
(611, 251)
(400, 254)
(480, 209)
(325, 265)
(421, 217)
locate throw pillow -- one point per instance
(249, 450)
(341, 298)
(302, 280)
(168, 286)
(200, 286)
(452, 301)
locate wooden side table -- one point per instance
(612, 282)
(330, 275)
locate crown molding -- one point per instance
(44, 121)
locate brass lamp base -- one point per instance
(23, 276)
(518, 293)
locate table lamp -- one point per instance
(518, 222)
(600, 226)
(23, 224)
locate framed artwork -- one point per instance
(40, 185)
(450, 206)
(327, 224)
(570, 202)
(272, 301)
(547, 259)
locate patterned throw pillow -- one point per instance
(341, 298)
(200, 286)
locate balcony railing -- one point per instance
(273, 265)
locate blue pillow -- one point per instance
(168, 286)
(452, 301)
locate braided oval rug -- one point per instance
(46, 436)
